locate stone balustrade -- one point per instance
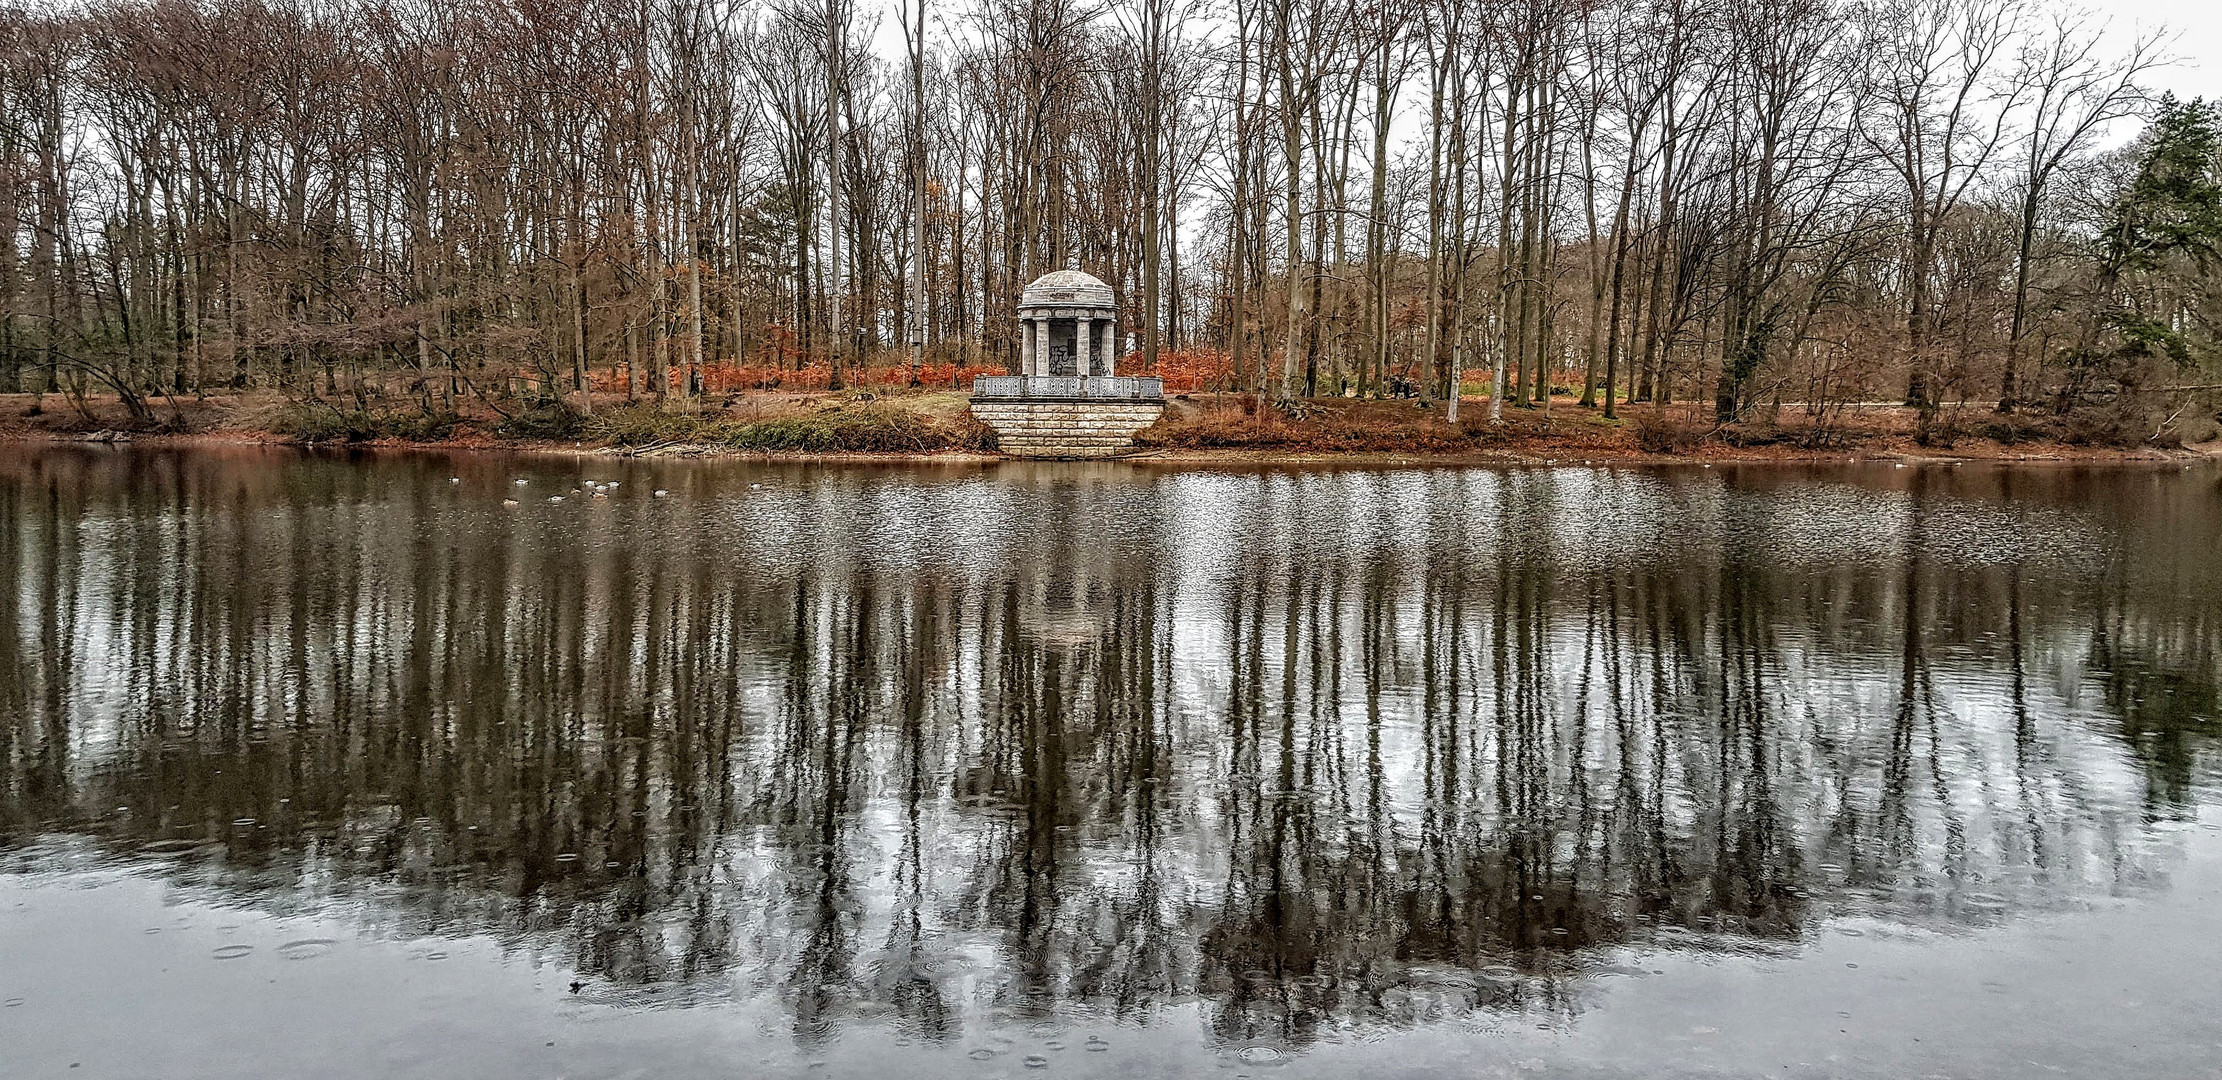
(1068, 387)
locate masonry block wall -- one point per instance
(1066, 429)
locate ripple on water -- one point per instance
(1260, 1055)
(306, 948)
(232, 952)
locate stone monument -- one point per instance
(1067, 401)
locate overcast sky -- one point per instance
(2198, 45)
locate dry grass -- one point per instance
(1354, 426)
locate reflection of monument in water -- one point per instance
(1074, 570)
(1064, 610)
(1067, 401)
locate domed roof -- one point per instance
(1067, 288)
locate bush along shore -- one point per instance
(1197, 427)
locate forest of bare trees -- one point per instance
(1758, 205)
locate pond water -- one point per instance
(438, 766)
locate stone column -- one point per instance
(1041, 346)
(1083, 329)
(1025, 347)
(1110, 345)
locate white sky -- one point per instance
(2197, 25)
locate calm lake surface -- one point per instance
(343, 767)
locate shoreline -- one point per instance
(936, 428)
(1145, 456)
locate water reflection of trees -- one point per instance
(1350, 782)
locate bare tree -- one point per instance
(2074, 93)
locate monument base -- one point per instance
(1066, 429)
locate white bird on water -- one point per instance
(520, 482)
(660, 493)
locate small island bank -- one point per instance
(931, 422)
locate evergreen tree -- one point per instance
(2164, 242)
